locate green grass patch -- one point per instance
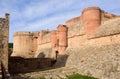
(42, 78)
(78, 76)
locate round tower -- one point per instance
(62, 36)
(22, 45)
(91, 19)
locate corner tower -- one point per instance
(91, 19)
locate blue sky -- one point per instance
(36, 15)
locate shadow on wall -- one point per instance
(41, 55)
(23, 65)
(58, 62)
(61, 61)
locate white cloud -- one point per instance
(33, 15)
(52, 21)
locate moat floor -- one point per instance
(48, 74)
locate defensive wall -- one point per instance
(94, 46)
(79, 31)
(90, 42)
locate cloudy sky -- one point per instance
(36, 15)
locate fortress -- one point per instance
(92, 28)
(90, 41)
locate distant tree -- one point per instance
(10, 45)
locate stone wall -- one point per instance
(93, 43)
(44, 46)
(98, 61)
(29, 44)
(22, 65)
(97, 54)
(4, 34)
(94, 47)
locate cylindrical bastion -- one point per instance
(23, 44)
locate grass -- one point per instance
(42, 78)
(79, 76)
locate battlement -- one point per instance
(23, 34)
